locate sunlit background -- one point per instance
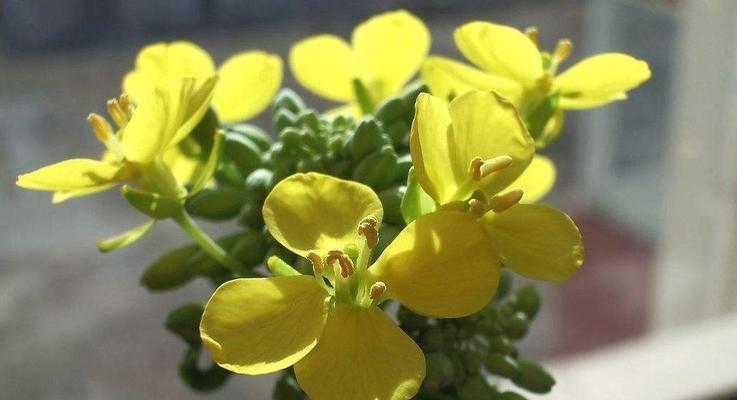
(652, 183)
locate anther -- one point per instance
(532, 34)
(368, 228)
(563, 50)
(478, 168)
(125, 104)
(377, 290)
(116, 113)
(101, 127)
(316, 261)
(504, 201)
(345, 263)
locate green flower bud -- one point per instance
(310, 164)
(198, 379)
(170, 270)
(473, 360)
(253, 133)
(398, 132)
(502, 365)
(511, 396)
(184, 321)
(377, 169)
(439, 373)
(243, 152)
(291, 139)
(450, 331)
(505, 284)
(283, 118)
(250, 249)
(366, 139)
(227, 173)
(502, 345)
(410, 96)
(258, 183)
(152, 204)
(216, 204)
(310, 120)
(341, 123)
(527, 300)
(391, 200)
(288, 99)
(517, 326)
(287, 389)
(341, 169)
(391, 110)
(404, 163)
(534, 378)
(250, 215)
(410, 321)
(199, 142)
(459, 371)
(431, 339)
(475, 388)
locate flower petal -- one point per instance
(487, 126)
(392, 45)
(75, 175)
(500, 50)
(537, 180)
(430, 149)
(315, 211)
(600, 79)
(441, 265)
(261, 325)
(248, 82)
(161, 61)
(324, 64)
(449, 78)
(362, 355)
(537, 241)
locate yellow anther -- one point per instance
(116, 113)
(532, 34)
(316, 261)
(345, 263)
(504, 201)
(101, 127)
(546, 81)
(368, 228)
(125, 104)
(478, 168)
(563, 50)
(377, 290)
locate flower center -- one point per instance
(120, 111)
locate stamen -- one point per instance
(125, 104)
(316, 261)
(377, 290)
(504, 201)
(563, 50)
(532, 34)
(101, 127)
(478, 168)
(546, 81)
(368, 228)
(346, 265)
(116, 113)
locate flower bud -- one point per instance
(216, 204)
(475, 388)
(288, 99)
(184, 321)
(533, 377)
(502, 365)
(439, 373)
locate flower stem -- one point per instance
(206, 243)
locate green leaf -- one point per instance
(154, 205)
(415, 202)
(184, 321)
(201, 380)
(125, 238)
(171, 270)
(212, 162)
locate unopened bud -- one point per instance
(504, 201)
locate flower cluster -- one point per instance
(422, 196)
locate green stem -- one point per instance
(206, 243)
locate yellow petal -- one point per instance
(361, 355)
(324, 65)
(161, 61)
(183, 167)
(76, 175)
(248, 82)
(539, 242)
(315, 211)
(430, 149)
(500, 50)
(600, 79)
(65, 195)
(441, 265)
(537, 180)
(449, 78)
(487, 126)
(392, 46)
(261, 325)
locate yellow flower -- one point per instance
(386, 51)
(510, 63)
(328, 325)
(134, 152)
(247, 80)
(473, 154)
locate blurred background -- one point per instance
(652, 183)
